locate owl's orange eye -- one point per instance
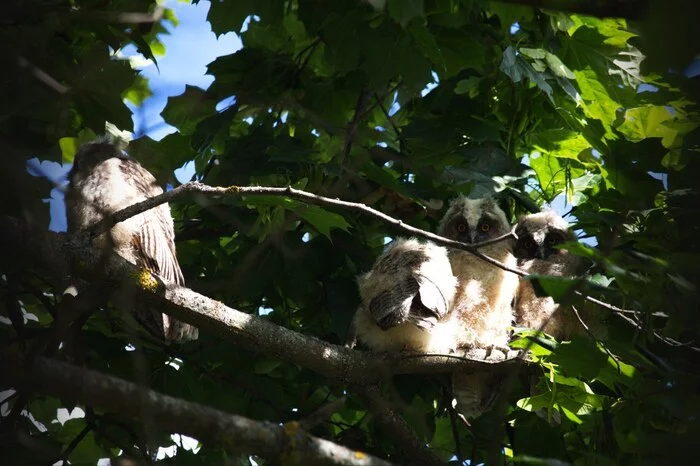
(462, 227)
(485, 227)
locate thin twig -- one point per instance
(194, 188)
(664, 339)
(455, 433)
(607, 306)
(310, 49)
(590, 333)
(322, 414)
(357, 117)
(73, 444)
(673, 342)
(389, 119)
(42, 75)
(91, 419)
(389, 91)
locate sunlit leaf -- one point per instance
(321, 219)
(645, 122)
(518, 69)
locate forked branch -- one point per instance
(194, 189)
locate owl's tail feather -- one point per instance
(178, 331)
(164, 327)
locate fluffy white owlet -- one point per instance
(536, 251)
(483, 302)
(104, 180)
(404, 299)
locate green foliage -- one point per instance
(328, 99)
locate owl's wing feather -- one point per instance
(157, 252)
(154, 245)
(155, 239)
(392, 307)
(431, 296)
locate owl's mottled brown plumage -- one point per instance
(405, 298)
(537, 253)
(104, 180)
(483, 302)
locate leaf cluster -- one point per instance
(400, 105)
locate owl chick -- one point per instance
(537, 253)
(483, 301)
(104, 180)
(484, 292)
(404, 299)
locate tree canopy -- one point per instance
(399, 105)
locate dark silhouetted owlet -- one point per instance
(536, 251)
(483, 302)
(405, 298)
(104, 180)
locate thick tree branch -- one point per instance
(54, 251)
(128, 400)
(337, 362)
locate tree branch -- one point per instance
(336, 362)
(196, 189)
(395, 426)
(585, 326)
(362, 100)
(127, 400)
(322, 414)
(59, 252)
(399, 137)
(42, 75)
(73, 444)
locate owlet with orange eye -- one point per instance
(537, 253)
(483, 301)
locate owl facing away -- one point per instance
(537, 253)
(104, 180)
(483, 301)
(405, 298)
